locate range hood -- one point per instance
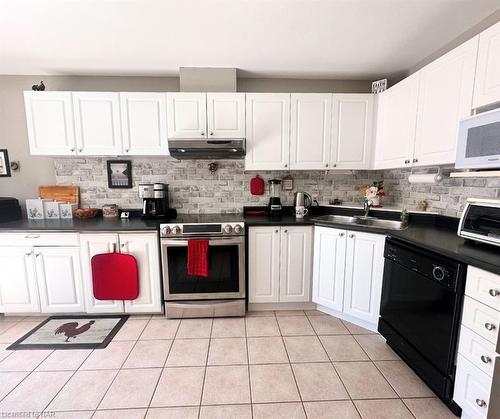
(207, 149)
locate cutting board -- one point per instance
(69, 194)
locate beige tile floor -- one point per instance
(290, 364)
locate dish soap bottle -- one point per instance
(405, 216)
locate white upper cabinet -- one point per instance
(144, 123)
(268, 131)
(263, 264)
(59, 279)
(487, 84)
(49, 117)
(296, 264)
(363, 275)
(396, 124)
(97, 123)
(310, 138)
(445, 96)
(144, 247)
(187, 115)
(226, 115)
(352, 131)
(329, 267)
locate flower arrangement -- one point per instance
(374, 192)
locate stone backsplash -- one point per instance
(193, 189)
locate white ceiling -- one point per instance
(355, 39)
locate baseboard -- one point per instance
(350, 319)
(280, 306)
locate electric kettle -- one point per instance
(302, 199)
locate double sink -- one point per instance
(361, 221)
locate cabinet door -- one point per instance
(93, 244)
(311, 123)
(268, 131)
(363, 275)
(396, 124)
(226, 115)
(59, 279)
(144, 247)
(18, 291)
(144, 123)
(49, 118)
(445, 96)
(296, 264)
(187, 115)
(329, 267)
(487, 84)
(97, 123)
(352, 131)
(263, 264)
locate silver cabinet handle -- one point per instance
(32, 236)
(489, 326)
(80, 150)
(122, 245)
(485, 359)
(276, 231)
(211, 133)
(72, 149)
(326, 165)
(351, 236)
(127, 150)
(415, 160)
(202, 133)
(29, 253)
(334, 165)
(494, 293)
(286, 231)
(341, 234)
(407, 161)
(480, 402)
(37, 254)
(286, 165)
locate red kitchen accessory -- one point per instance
(115, 276)
(257, 185)
(197, 261)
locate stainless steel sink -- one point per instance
(342, 219)
(372, 222)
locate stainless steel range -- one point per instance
(222, 291)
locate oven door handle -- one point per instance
(214, 242)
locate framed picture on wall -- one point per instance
(119, 174)
(4, 163)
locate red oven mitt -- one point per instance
(197, 260)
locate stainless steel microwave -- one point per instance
(479, 141)
(480, 221)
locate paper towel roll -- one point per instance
(425, 178)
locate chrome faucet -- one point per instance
(366, 206)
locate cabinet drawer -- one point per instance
(472, 389)
(482, 320)
(477, 350)
(30, 238)
(483, 286)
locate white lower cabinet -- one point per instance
(59, 279)
(279, 264)
(18, 290)
(348, 271)
(144, 247)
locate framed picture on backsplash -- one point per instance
(119, 174)
(4, 163)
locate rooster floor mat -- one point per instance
(72, 332)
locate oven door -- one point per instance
(226, 276)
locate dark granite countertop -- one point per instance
(431, 232)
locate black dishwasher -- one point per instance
(422, 297)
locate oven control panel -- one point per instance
(202, 230)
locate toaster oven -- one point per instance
(480, 221)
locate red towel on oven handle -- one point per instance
(197, 259)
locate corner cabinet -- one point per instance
(487, 83)
(144, 247)
(279, 264)
(348, 271)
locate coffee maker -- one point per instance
(275, 207)
(155, 199)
